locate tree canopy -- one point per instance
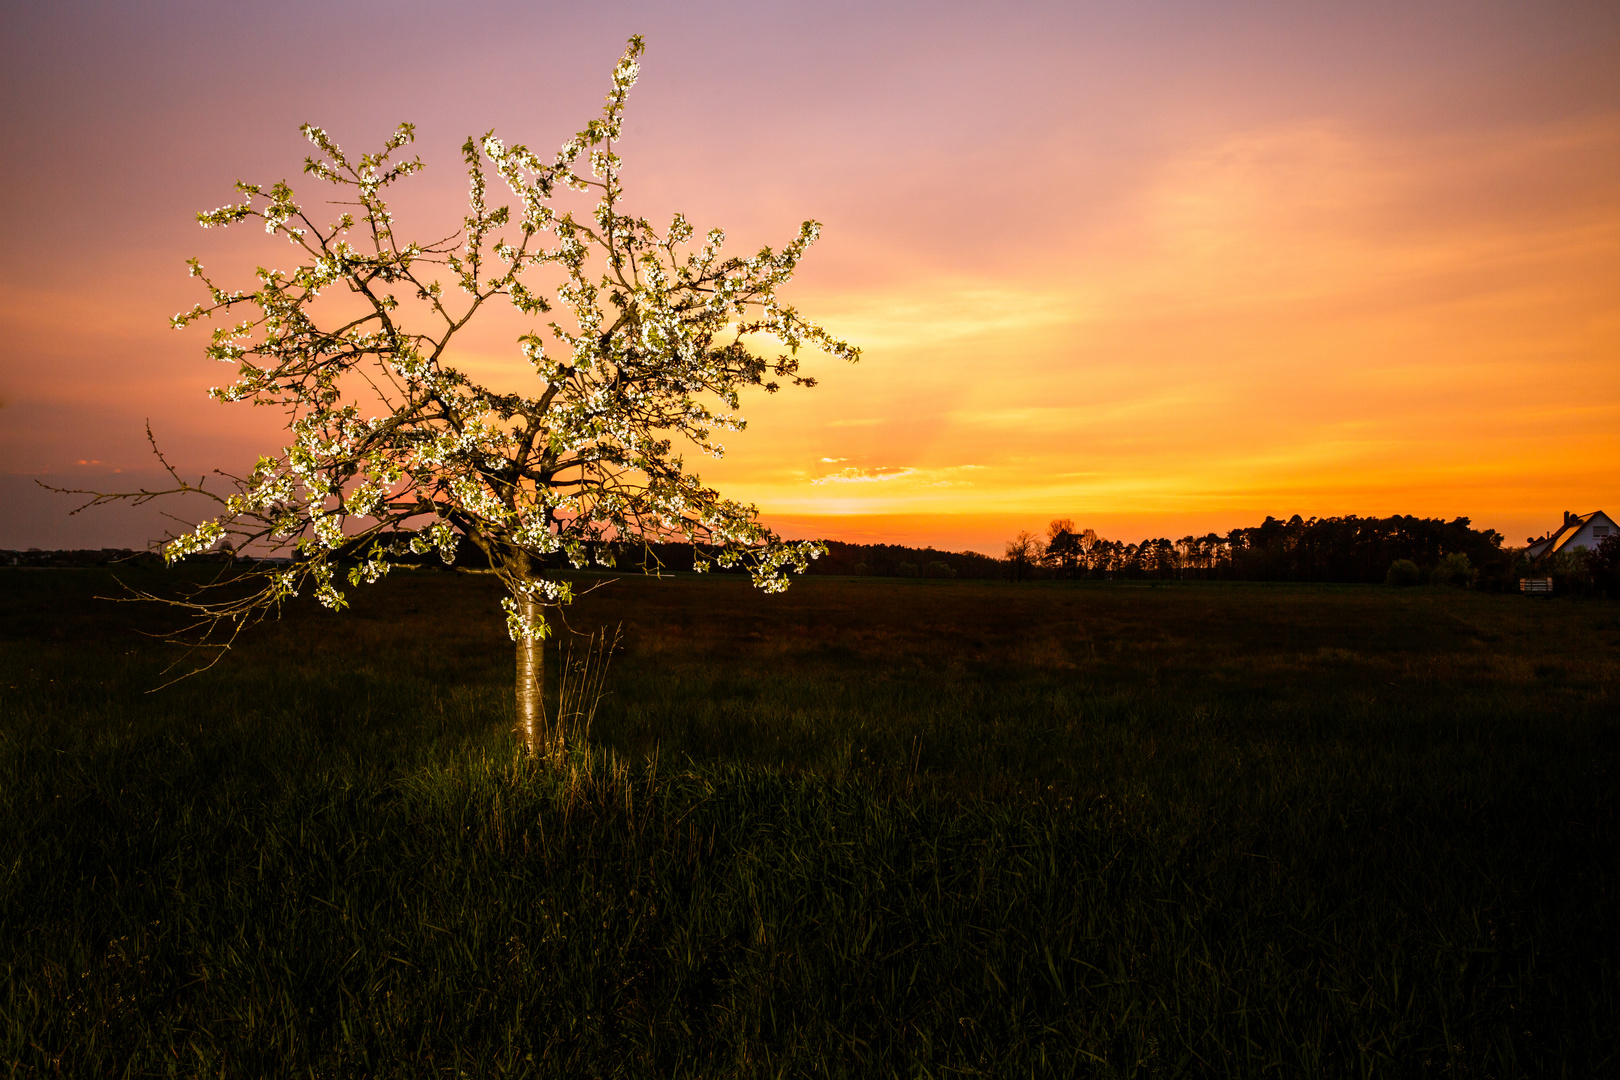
(396, 448)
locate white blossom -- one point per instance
(394, 452)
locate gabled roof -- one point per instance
(1561, 537)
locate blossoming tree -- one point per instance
(396, 450)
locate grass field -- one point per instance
(868, 828)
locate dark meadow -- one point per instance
(868, 827)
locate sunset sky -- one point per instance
(1162, 268)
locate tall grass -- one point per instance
(869, 830)
(580, 684)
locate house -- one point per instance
(1577, 531)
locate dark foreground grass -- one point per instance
(891, 829)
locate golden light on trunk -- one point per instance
(531, 666)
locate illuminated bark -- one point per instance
(531, 666)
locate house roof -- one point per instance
(1561, 537)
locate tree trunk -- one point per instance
(531, 666)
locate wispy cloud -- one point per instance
(948, 476)
(933, 315)
(853, 475)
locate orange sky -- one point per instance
(1161, 269)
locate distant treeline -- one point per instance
(893, 560)
(1343, 549)
(1331, 549)
(852, 560)
(78, 557)
(1352, 549)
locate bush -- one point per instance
(1454, 569)
(1569, 571)
(1403, 572)
(1603, 565)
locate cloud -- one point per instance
(853, 475)
(942, 477)
(932, 313)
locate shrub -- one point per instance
(1569, 571)
(1403, 572)
(1454, 569)
(1603, 565)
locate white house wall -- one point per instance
(1587, 535)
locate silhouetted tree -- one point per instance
(1023, 552)
(1063, 551)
